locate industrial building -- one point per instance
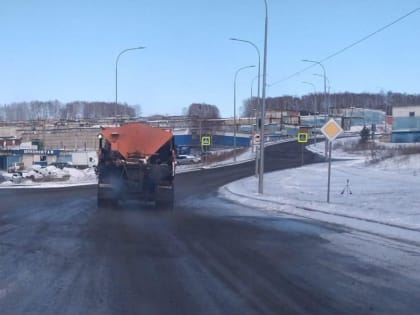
(406, 124)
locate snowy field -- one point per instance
(362, 193)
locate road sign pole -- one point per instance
(257, 161)
(331, 130)
(329, 169)
(326, 149)
(303, 147)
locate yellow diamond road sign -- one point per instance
(331, 130)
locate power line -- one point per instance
(350, 46)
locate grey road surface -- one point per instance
(59, 254)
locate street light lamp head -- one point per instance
(307, 60)
(306, 82)
(242, 68)
(116, 68)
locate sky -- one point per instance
(67, 50)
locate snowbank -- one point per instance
(49, 176)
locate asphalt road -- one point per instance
(59, 254)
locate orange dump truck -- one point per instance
(136, 161)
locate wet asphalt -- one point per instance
(60, 254)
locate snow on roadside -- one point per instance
(385, 192)
(50, 177)
(247, 155)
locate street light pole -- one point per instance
(259, 84)
(258, 103)
(257, 161)
(325, 96)
(234, 109)
(259, 61)
(261, 177)
(252, 86)
(328, 81)
(116, 71)
(315, 122)
(325, 83)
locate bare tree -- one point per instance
(204, 111)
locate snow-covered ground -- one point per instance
(362, 192)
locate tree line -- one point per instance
(315, 102)
(55, 110)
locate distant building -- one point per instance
(406, 123)
(359, 117)
(10, 141)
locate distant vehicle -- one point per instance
(61, 165)
(17, 178)
(84, 159)
(16, 167)
(184, 159)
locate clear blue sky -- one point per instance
(66, 50)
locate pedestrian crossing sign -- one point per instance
(302, 137)
(205, 140)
